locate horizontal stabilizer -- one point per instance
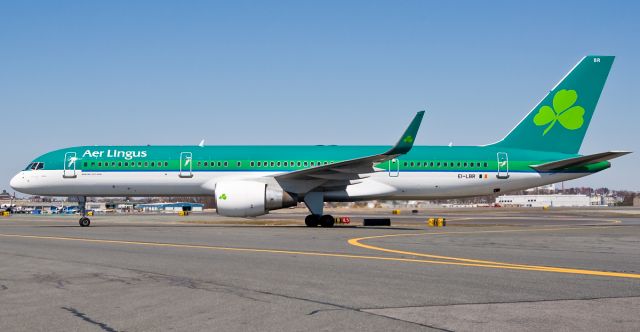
(579, 161)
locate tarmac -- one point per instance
(487, 270)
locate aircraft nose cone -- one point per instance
(17, 182)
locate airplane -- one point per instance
(249, 181)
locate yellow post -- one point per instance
(5, 213)
(442, 222)
(181, 213)
(431, 222)
(395, 212)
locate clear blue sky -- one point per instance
(305, 72)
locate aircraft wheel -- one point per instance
(327, 221)
(84, 222)
(312, 220)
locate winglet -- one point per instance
(406, 141)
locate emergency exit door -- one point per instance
(186, 164)
(503, 165)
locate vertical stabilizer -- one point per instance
(559, 122)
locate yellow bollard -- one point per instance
(395, 212)
(90, 213)
(431, 222)
(5, 213)
(181, 213)
(441, 222)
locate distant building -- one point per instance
(5, 196)
(170, 207)
(543, 200)
(636, 201)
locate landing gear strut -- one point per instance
(84, 221)
(315, 204)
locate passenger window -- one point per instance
(166, 163)
(286, 164)
(485, 164)
(226, 164)
(84, 164)
(139, 164)
(252, 164)
(238, 163)
(153, 164)
(278, 164)
(404, 164)
(119, 164)
(271, 164)
(438, 164)
(465, 164)
(458, 164)
(146, 164)
(206, 163)
(93, 163)
(313, 163)
(113, 164)
(298, 164)
(412, 164)
(100, 164)
(431, 164)
(219, 164)
(305, 164)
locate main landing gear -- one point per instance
(315, 204)
(84, 221)
(314, 220)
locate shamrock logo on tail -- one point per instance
(408, 139)
(563, 111)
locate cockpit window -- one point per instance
(34, 166)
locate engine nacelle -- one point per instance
(250, 198)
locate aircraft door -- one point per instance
(394, 167)
(503, 165)
(69, 165)
(186, 164)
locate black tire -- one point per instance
(84, 222)
(327, 221)
(311, 220)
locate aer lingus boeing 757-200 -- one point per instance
(252, 180)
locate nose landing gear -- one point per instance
(84, 221)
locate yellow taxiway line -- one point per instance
(454, 261)
(492, 264)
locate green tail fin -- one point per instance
(559, 122)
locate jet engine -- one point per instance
(250, 198)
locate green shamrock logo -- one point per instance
(408, 139)
(223, 197)
(563, 111)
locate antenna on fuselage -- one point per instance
(201, 143)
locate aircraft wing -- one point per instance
(339, 175)
(579, 161)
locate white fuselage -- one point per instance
(380, 185)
